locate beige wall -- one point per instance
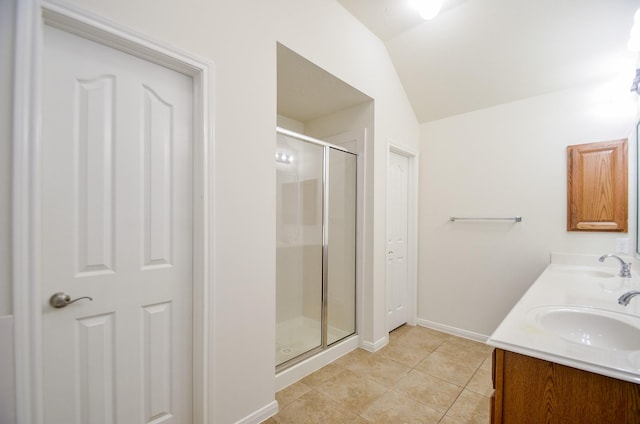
(505, 161)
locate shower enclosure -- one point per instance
(316, 246)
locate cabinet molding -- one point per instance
(597, 195)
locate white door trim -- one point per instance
(31, 17)
(412, 230)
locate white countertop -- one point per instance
(575, 287)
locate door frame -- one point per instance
(412, 230)
(31, 17)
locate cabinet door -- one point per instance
(536, 391)
(597, 186)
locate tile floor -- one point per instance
(421, 376)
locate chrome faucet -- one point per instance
(626, 298)
(625, 268)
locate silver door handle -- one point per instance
(60, 300)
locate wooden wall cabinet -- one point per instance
(597, 186)
(530, 390)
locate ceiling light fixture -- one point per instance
(428, 9)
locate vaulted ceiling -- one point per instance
(481, 53)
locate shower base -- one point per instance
(299, 335)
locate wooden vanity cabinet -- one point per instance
(530, 390)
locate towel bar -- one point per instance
(457, 218)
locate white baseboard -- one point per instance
(375, 346)
(453, 331)
(261, 415)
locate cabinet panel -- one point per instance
(597, 186)
(537, 391)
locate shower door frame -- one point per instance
(325, 249)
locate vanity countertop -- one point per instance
(547, 322)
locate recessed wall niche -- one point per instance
(322, 165)
(313, 102)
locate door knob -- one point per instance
(60, 300)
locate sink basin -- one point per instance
(590, 327)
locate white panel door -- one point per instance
(397, 228)
(116, 226)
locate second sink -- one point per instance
(590, 327)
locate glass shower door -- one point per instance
(341, 245)
(316, 246)
(299, 238)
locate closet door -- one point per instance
(397, 241)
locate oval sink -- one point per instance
(591, 327)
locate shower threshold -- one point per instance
(300, 335)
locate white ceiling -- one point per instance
(481, 53)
